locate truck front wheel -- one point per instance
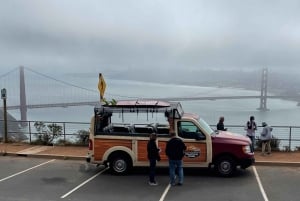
(119, 164)
(225, 166)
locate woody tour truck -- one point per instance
(119, 134)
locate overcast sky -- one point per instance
(97, 35)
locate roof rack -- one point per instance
(172, 109)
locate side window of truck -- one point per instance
(189, 130)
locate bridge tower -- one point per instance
(23, 105)
(263, 90)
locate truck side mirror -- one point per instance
(199, 136)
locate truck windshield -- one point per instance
(206, 127)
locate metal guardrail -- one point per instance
(289, 136)
(26, 131)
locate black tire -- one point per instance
(225, 166)
(119, 163)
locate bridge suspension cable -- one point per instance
(5, 74)
(73, 85)
(63, 82)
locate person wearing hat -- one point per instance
(266, 136)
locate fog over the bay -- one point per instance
(119, 35)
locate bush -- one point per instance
(47, 133)
(275, 142)
(83, 137)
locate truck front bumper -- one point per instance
(245, 163)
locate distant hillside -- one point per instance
(14, 130)
(278, 82)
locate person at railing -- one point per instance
(251, 128)
(220, 125)
(266, 136)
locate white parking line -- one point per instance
(260, 185)
(162, 198)
(6, 178)
(83, 183)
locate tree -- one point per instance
(47, 133)
(83, 137)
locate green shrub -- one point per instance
(83, 137)
(275, 142)
(46, 133)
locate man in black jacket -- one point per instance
(175, 151)
(153, 156)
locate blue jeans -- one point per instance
(173, 166)
(152, 170)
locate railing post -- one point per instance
(64, 132)
(290, 138)
(29, 129)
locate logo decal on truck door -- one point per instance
(192, 152)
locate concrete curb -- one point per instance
(277, 163)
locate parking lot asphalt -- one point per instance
(61, 173)
(35, 179)
(79, 153)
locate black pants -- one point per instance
(152, 170)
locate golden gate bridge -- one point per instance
(92, 96)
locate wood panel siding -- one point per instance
(102, 145)
(142, 154)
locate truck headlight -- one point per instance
(247, 149)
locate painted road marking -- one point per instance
(260, 185)
(83, 183)
(6, 178)
(162, 198)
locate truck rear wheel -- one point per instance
(225, 166)
(119, 163)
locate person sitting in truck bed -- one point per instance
(171, 123)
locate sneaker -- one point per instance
(179, 184)
(152, 183)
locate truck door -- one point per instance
(196, 142)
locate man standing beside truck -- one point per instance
(153, 156)
(175, 151)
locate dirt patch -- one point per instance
(279, 156)
(12, 148)
(66, 151)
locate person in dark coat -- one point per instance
(220, 125)
(175, 151)
(153, 156)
